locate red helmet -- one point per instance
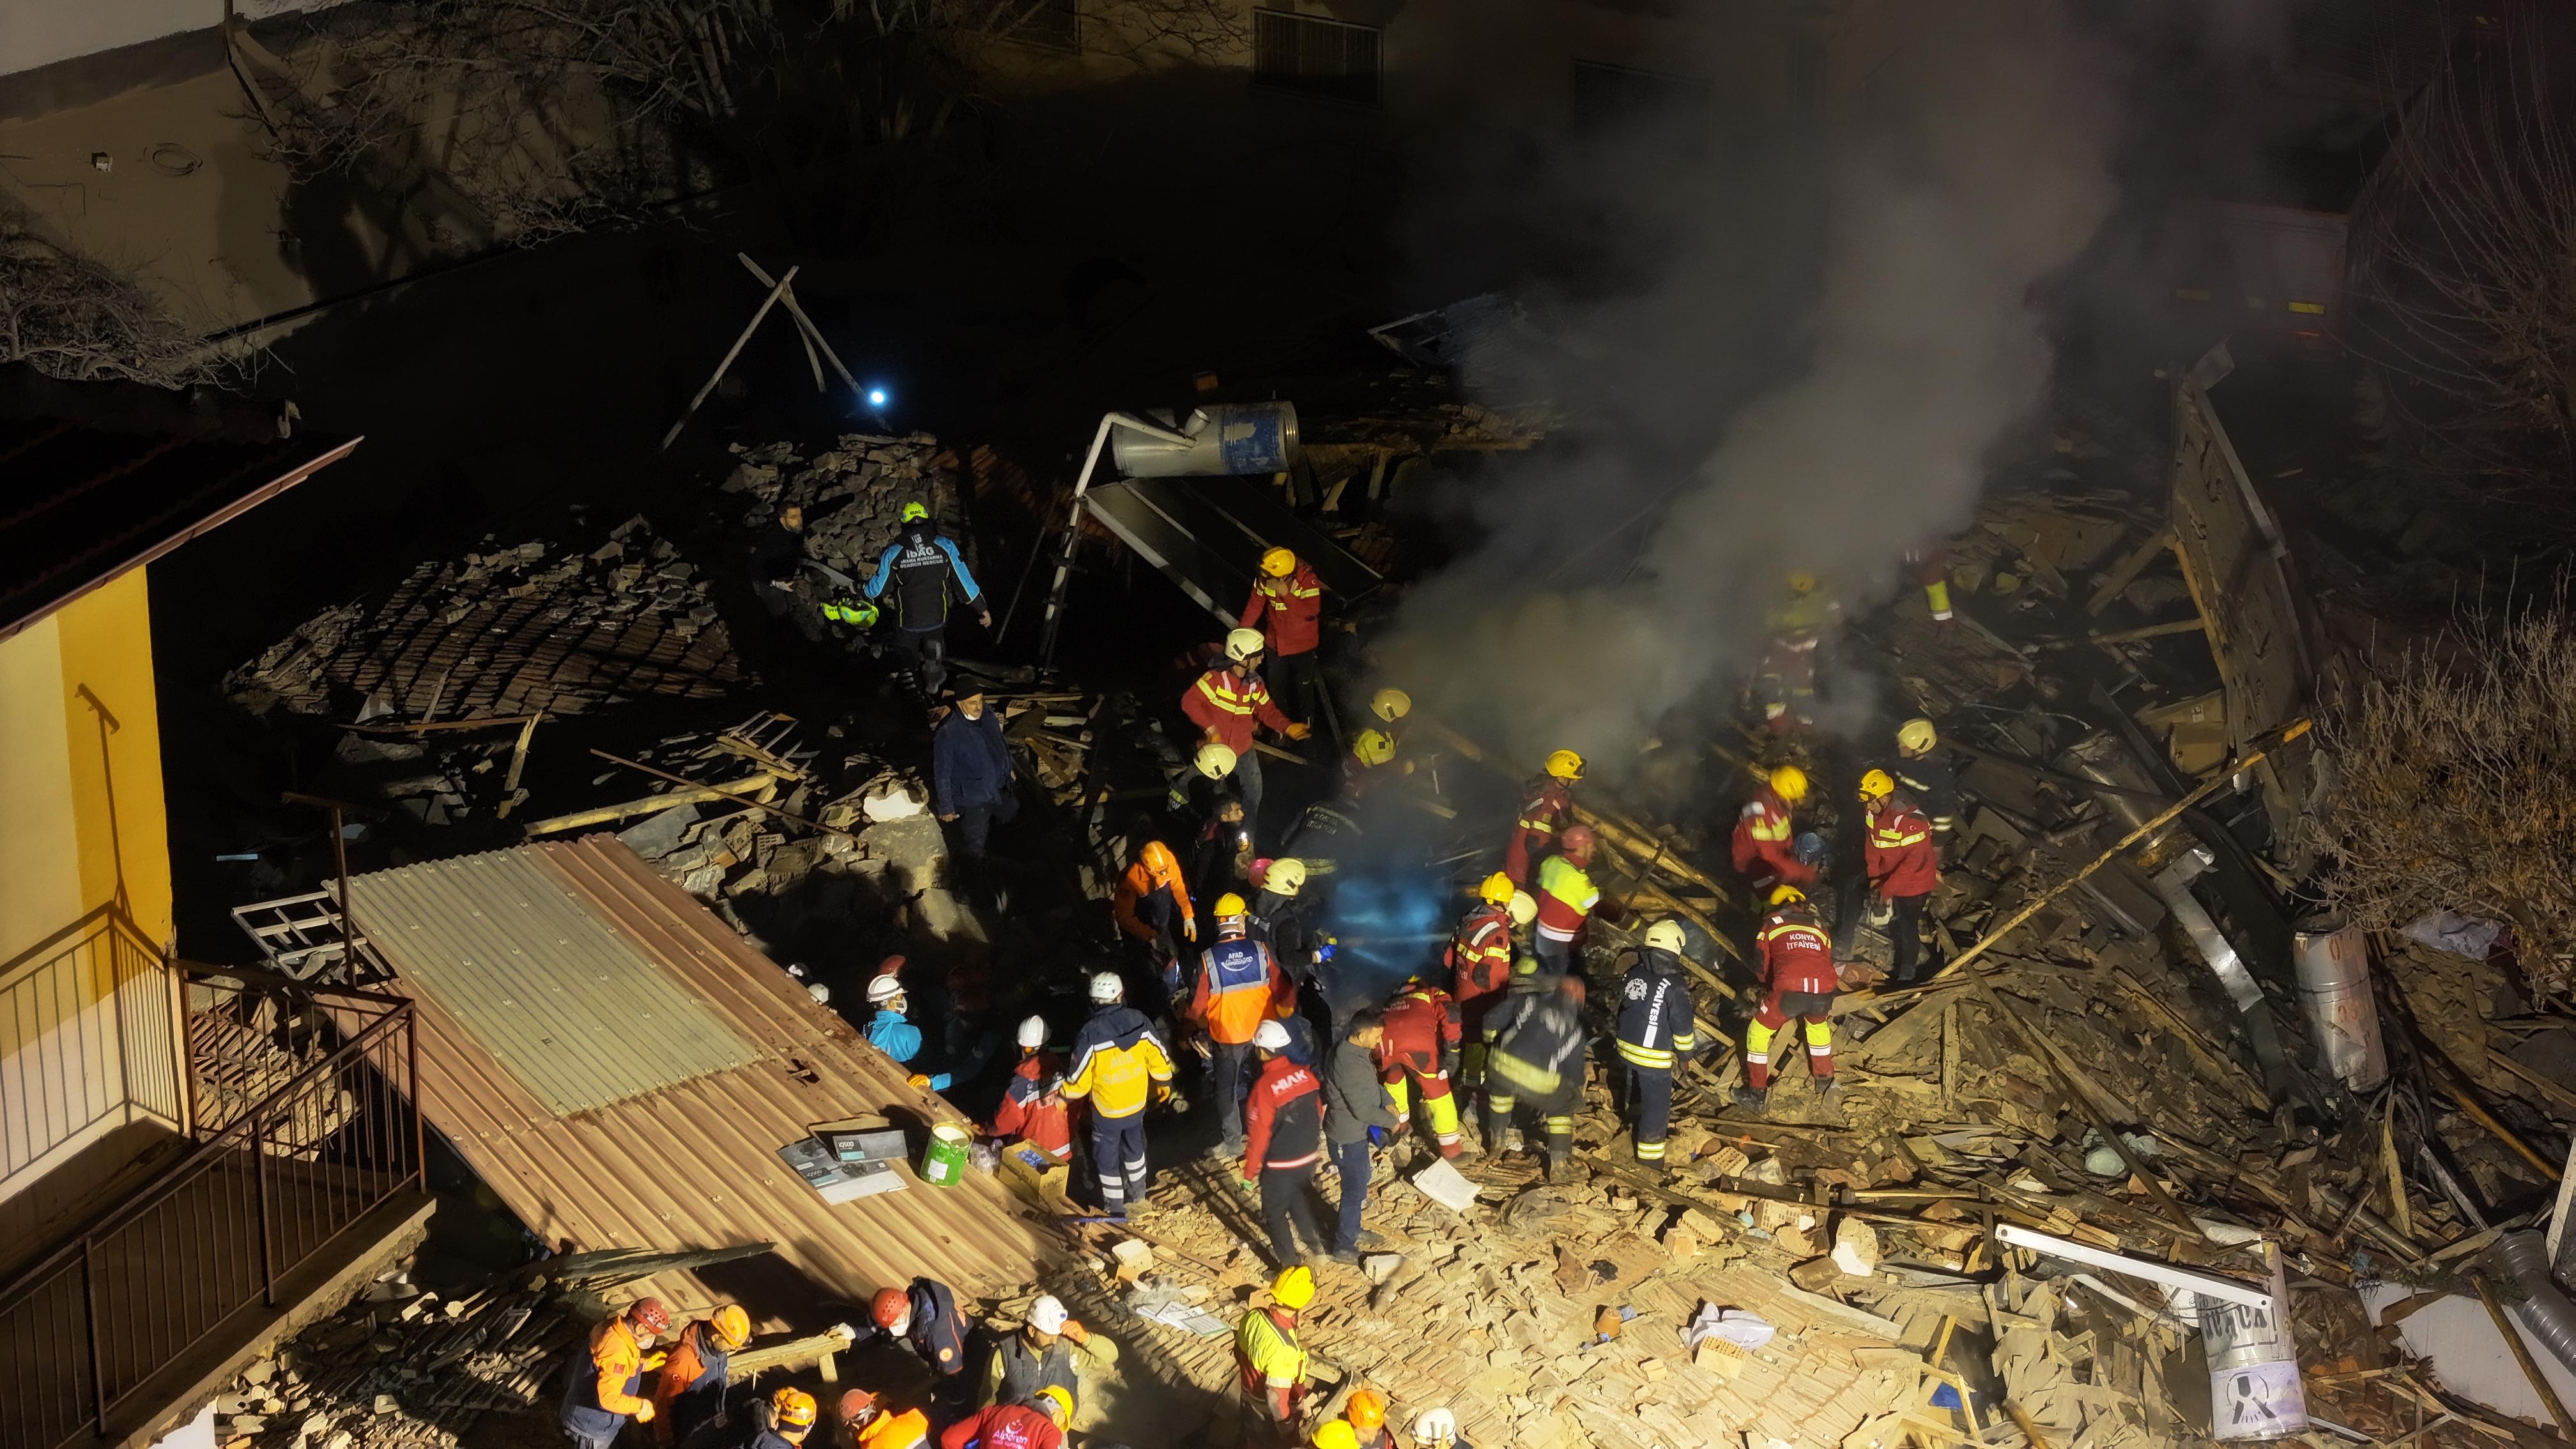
(889, 1307)
(1577, 843)
(650, 1315)
(857, 1406)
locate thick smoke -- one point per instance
(1804, 362)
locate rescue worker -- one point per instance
(1283, 916)
(1223, 853)
(1391, 706)
(1033, 1108)
(1334, 1434)
(891, 1031)
(924, 1315)
(919, 565)
(1931, 565)
(1546, 809)
(1048, 1352)
(1421, 1047)
(1366, 1411)
(1151, 903)
(792, 1412)
(1036, 1422)
(1285, 1119)
(1538, 1059)
(1924, 770)
(1479, 957)
(971, 774)
(1240, 988)
(1370, 764)
(1656, 1034)
(1437, 1429)
(1765, 841)
(689, 1394)
(868, 1424)
(1798, 979)
(1118, 1065)
(1903, 866)
(1270, 1362)
(1567, 900)
(1357, 1117)
(1227, 703)
(1287, 604)
(1786, 683)
(602, 1393)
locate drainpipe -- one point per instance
(2543, 1311)
(2174, 884)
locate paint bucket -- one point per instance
(943, 1162)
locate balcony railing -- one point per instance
(263, 1194)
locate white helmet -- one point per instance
(821, 993)
(1047, 1314)
(1242, 644)
(1033, 1033)
(1286, 876)
(1106, 987)
(1270, 1036)
(1435, 1429)
(1665, 935)
(882, 989)
(1214, 760)
(1524, 908)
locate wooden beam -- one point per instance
(732, 790)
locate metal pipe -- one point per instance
(2544, 1311)
(2174, 884)
(2333, 963)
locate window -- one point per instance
(1666, 113)
(1317, 56)
(1046, 24)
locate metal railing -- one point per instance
(216, 1234)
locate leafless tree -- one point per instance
(2455, 792)
(2463, 272)
(72, 316)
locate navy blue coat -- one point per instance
(970, 766)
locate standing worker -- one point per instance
(1283, 918)
(891, 1030)
(1286, 1120)
(1568, 900)
(1271, 1363)
(1357, 1117)
(1223, 853)
(919, 564)
(689, 1394)
(1118, 1064)
(600, 1393)
(1765, 841)
(1152, 904)
(792, 1412)
(970, 775)
(1287, 604)
(1538, 1059)
(1656, 1034)
(1480, 956)
(1925, 771)
(1903, 865)
(1421, 1048)
(1037, 1422)
(1240, 989)
(1227, 703)
(1798, 979)
(867, 1424)
(1047, 1353)
(1787, 679)
(1033, 1109)
(1547, 809)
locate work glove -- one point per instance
(1297, 731)
(644, 1410)
(917, 1082)
(1190, 928)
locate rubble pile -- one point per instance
(852, 493)
(506, 632)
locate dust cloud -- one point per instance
(1793, 349)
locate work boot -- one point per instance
(1559, 1168)
(1752, 1099)
(1347, 1257)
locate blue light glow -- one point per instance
(877, 397)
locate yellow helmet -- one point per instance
(732, 1327)
(1916, 735)
(792, 1407)
(1789, 783)
(1665, 935)
(1497, 889)
(1226, 905)
(1565, 765)
(1336, 1434)
(1057, 1400)
(1373, 747)
(1294, 1288)
(1390, 704)
(1242, 644)
(1279, 563)
(1215, 761)
(1286, 876)
(1876, 785)
(1783, 895)
(1802, 581)
(1524, 908)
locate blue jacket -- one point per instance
(970, 765)
(919, 565)
(900, 1039)
(937, 1331)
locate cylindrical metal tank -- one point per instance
(2254, 1388)
(1226, 439)
(2334, 996)
(2102, 758)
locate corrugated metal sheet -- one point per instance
(571, 1006)
(694, 1164)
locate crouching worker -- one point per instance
(602, 1392)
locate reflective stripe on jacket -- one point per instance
(1295, 605)
(1267, 1352)
(1655, 1011)
(1227, 703)
(1566, 896)
(1899, 854)
(1797, 955)
(1240, 987)
(1116, 1059)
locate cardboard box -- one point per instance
(1035, 1176)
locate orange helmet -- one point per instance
(1159, 860)
(1366, 1410)
(793, 1408)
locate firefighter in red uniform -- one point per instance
(1287, 603)
(1799, 980)
(1226, 703)
(1766, 834)
(1421, 1046)
(1548, 810)
(1480, 955)
(1903, 867)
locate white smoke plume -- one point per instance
(1961, 160)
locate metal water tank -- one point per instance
(1226, 439)
(2334, 996)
